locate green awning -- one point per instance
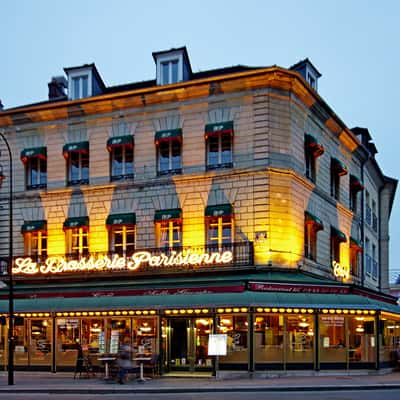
(312, 145)
(117, 141)
(338, 167)
(355, 183)
(35, 152)
(222, 210)
(34, 226)
(163, 215)
(218, 128)
(121, 219)
(312, 219)
(79, 147)
(356, 244)
(210, 300)
(169, 134)
(338, 234)
(76, 222)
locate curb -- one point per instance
(173, 390)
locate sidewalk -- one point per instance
(61, 382)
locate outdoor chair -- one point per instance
(153, 365)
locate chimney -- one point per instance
(57, 88)
(1, 105)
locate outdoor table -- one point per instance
(106, 360)
(141, 360)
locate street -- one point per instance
(303, 395)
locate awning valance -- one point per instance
(338, 167)
(355, 183)
(313, 146)
(121, 219)
(34, 226)
(338, 235)
(35, 152)
(165, 215)
(197, 300)
(218, 129)
(222, 210)
(118, 141)
(356, 244)
(79, 147)
(313, 220)
(167, 135)
(76, 222)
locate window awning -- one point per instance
(118, 141)
(76, 222)
(313, 220)
(222, 210)
(356, 244)
(34, 226)
(313, 146)
(218, 129)
(338, 167)
(165, 215)
(79, 147)
(338, 235)
(35, 152)
(167, 135)
(355, 183)
(121, 219)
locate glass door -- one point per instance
(187, 344)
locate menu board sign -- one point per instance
(217, 344)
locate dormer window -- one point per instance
(83, 82)
(311, 80)
(172, 66)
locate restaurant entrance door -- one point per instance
(187, 344)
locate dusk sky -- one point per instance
(353, 43)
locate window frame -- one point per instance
(219, 164)
(126, 248)
(169, 226)
(79, 76)
(82, 180)
(220, 223)
(124, 163)
(312, 225)
(168, 59)
(171, 142)
(40, 163)
(81, 233)
(40, 238)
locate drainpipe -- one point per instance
(362, 222)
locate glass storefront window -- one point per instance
(236, 327)
(68, 338)
(332, 339)
(362, 346)
(145, 335)
(40, 339)
(268, 342)
(300, 338)
(93, 335)
(390, 338)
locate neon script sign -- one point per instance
(59, 265)
(340, 271)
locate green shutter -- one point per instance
(121, 219)
(169, 134)
(79, 147)
(120, 141)
(38, 152)
(221, 210)
(338, 234)
(76, 222)
(34, 226)
(312, 219)
(164, 215)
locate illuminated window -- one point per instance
(77, 156)
(337, 170)
(219, 225)
(312, 225)
(35, 239)
(337, 237)
(219, 145)
(312, 150)
(77, 236)
(122, 233)
(121, 157)
(169, 151)
(168, 228)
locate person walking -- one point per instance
(124, 362)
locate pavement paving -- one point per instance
(63, 382)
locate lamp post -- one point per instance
(9, 267)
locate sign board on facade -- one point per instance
(217, 344)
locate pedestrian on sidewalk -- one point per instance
(124, 362)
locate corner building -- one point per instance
(232, 201)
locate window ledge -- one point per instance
(219, 166)
(170, 172)
(122, 177)
(78, 182)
